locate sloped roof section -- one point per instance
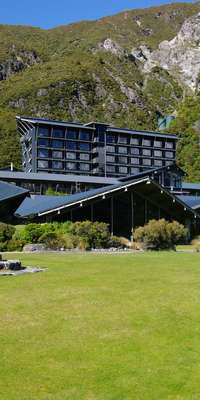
(11, 197)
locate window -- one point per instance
(135, 171)
(169, 145)
(122, 160)
(157, 153)
(71, 145)
(110, 168)
(71, 165)
(57, 165)
(84, 156)
(57, 154)
(43, 153)
(71, 134)
(84, 135)
(135, 160)
(110, 139)
(123, 170)
(57, 144)
(169, 154)
(110, 149)
(158, 163)
(42, 164)
(110, 159)
(58, 133)
(123, 139)
(84, 146)
(43, 132)
(146, 161)
(84, 167)
(157, 143)
(71, 156)
(146, 142)
(135, 150)
(134, 141)
(122, 150)
(43, 142)
(146, 152)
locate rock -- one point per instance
(142, 54)
(42, 92)
(112, 47)
(39, 247)
(18, 61)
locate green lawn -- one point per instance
(102, 327)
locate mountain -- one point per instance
(128, 70)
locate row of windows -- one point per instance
(138, 161)
(138, 141)
(137, 151)
(45, 153)
(112, 169)
(45, 164)
(61, 133)
(60, 144)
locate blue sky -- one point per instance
(50, 13)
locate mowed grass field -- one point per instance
(102, 327)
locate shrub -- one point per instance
(92, 234)
(6, 232)
(52, 240)
(161, 234)
(116, 242)
(32, 232)
(15, 245)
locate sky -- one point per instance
(51, 13)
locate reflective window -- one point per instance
(110, 149)
(71, 145)
(135, 150)
(84, 146)
(134, 140)
(122, 160)
(42, 164)
(146, 161)
(158, 163)
(157, 143)
(146, 142)
(157, 153)
(123, 170)
(110, 138)
(57, 154)
(57, 165)
(72, 134)
(84, 167)
(110, 159)
(169, 154)
(43, 153)
(169, 145)
(58, 133)
(71, 156)
(43, 142)
(57, 144)
(84, 135)
(135, 170)
(43, 131)
(84, 156)
(71, 165)
(110, 168)
(122, 150)
(146, 152)
(123, 139)
(135, 160)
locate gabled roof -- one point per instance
(152, 171)
(8, 191)
(11, 197)
(191, 201)
(191, 186)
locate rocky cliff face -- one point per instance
(180, 56)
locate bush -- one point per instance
(161, 234)
(32, 233)
(6, 232)
(116, 242)
(91, 234)
(52, 240)
(15, 245)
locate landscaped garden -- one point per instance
(101, 327)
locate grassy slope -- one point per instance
(102, 328)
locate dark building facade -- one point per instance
(92, 149)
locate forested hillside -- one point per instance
(109, 70)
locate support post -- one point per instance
(145, 211)
(132, 216)
(92, 212)
(112, 215)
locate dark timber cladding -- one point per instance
(94, 149)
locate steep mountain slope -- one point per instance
(109, 70)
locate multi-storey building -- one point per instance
(94, 149)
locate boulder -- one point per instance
(39, 247)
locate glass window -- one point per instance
(71, 145)
(43, 164)
(169, 145)
(123, 170)
(168, 162)
(122, 160)
(158, 163)
(157, 153)
(146, 142)
(157, 143)
(43, 153)
(43, 131)
(71, 165)
(72, 134)
(84, 146)
(135, 150)
(57, 154)
(122, 150)
(169, 154)
(71, 156)
(43, 142)
(134, 140)
(110, 149)
(110, 168)
(110, 159)
(146, 152)
(84, 167)
(84, 156)
(84, 135)
(135, 170)
(123, 139)
(58, 133)
(135, 160)
(110, 139)
(57, 144)
(146, 161)
(57, 165)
